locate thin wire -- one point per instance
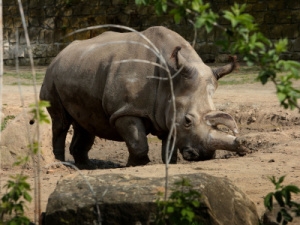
(1, 79)
(37, 212)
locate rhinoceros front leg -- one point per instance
(163, 152)
(133, 132)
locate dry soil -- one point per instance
(272, 134)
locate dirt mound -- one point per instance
(16, 138)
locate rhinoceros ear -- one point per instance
(179, 60)
(224, 70)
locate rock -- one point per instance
(127, 199)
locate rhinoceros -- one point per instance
(92, 88)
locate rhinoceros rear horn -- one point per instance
(224, 70)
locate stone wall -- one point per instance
(50, 20)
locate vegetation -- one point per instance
(184, 204)
(239, 78)
(283, 196)
(182, 207)
(5, 121)
(23, 78)
(241, 37)
(13, 202)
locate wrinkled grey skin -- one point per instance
(116, 101)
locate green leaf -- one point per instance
(27, 197)
(281, 179)
(268, 201)
(287, 195)
(286, 216)
(281, 96)
(292, 188)
(199, 22)
(279, 217)
(38, 112)
(281, 46)
(196, 204)
(195, 5)
(278, 197)
(170, 209)
(190, 215)
(177, 18)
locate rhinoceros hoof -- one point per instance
(137, 161)
(59, 155)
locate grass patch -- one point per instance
(244, 75)
(24, 78)
(5, 121)
(238, 78)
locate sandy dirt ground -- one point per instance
(272, 134)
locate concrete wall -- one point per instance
(50, 20)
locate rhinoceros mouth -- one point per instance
(192, 154)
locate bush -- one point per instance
(283, 196)
(182, 207)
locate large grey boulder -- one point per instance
(126, 199)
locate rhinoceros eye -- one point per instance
(188, 121)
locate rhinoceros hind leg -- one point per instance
(61, 122)
(163, 152)
(133, 132)
(81, 143)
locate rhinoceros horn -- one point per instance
(215, 118)
(220, 140)
(223, 70)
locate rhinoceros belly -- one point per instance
(94, 120)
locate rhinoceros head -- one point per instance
(197, 136)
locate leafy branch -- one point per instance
(13, 202)
(182, 207)
(283, 195)
(39, 113)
